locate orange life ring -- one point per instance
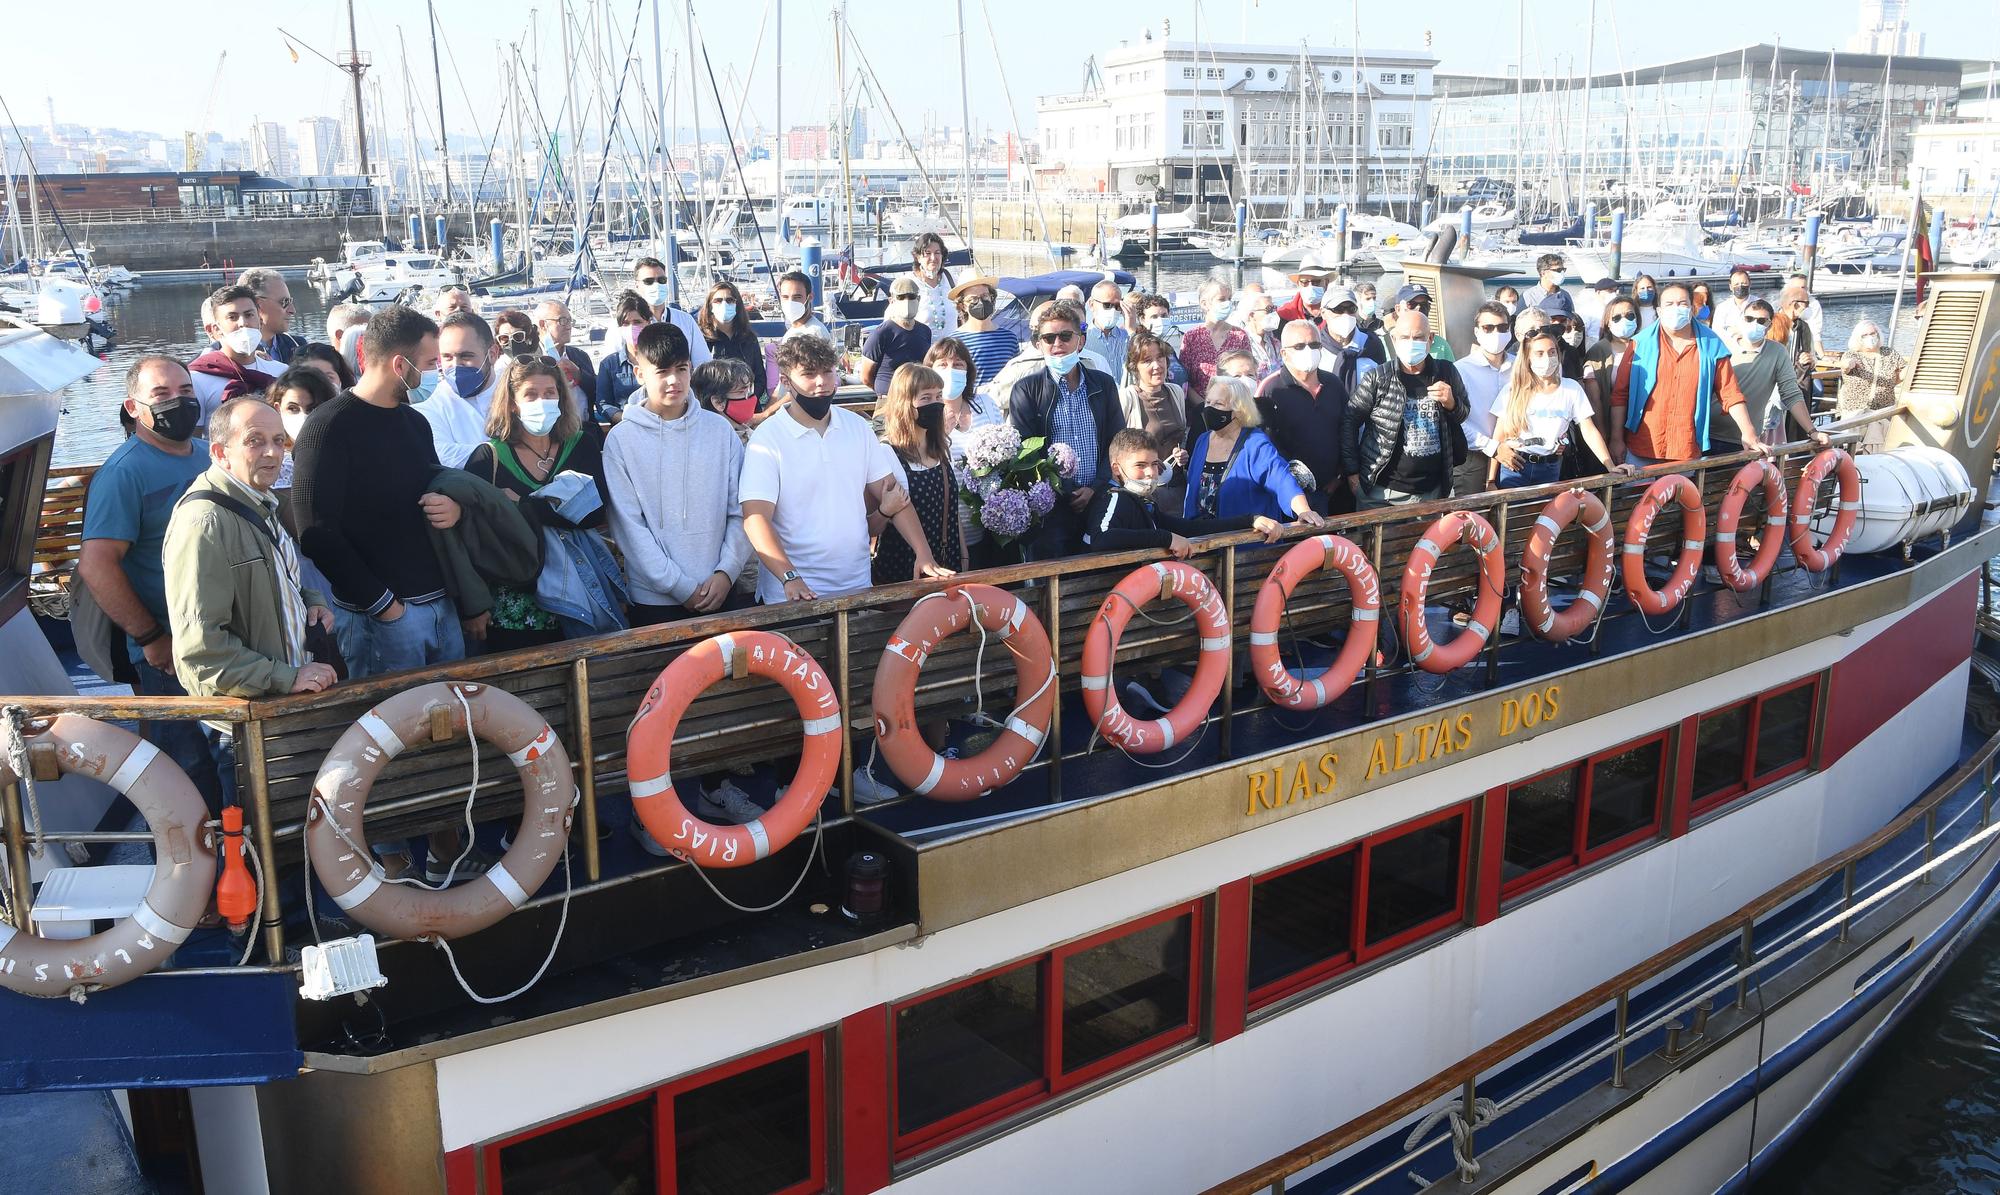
(183, 866)
(1306, 557)
(1562, 510)
(649, 747)
(1676, 488)
(1819, 559)
(1749, 477)
(338, 845)
(1169, 578)
(933, 619)
(1457, 526)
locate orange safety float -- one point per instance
(183, 865)
(1472, 529)
(1830, 460)
(649, 747)
(337, 843)
(1306, 557)
(933, 619)
(1536, 612)
(1752, 475)
(1675, 488)
(1169, 578)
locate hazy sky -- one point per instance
(157, 71)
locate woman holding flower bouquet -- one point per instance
(913, 427)
(1235, 470)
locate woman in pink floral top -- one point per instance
(1202, 344)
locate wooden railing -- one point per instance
(1462, 1077)
(588, 689)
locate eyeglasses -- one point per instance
(1056, 338)
(1305, 344)
(1492, 327)
(284, 304)
(1759, 320)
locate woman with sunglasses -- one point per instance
(1535, 414)
(725, 324)
(1607, 366)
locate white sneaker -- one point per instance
(645, 839)
(868, 790)
(727, 805)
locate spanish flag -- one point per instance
(1926, 252)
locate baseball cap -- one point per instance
(904, 286)
(1338, 296)
(1414, 290)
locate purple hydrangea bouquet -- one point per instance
(1012, 484)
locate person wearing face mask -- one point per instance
(238, 603)
(936, 309)
(1234, 470)
(1352, 350)
(532, 435)
(1202, 344)
(1416, 297)
(795, 307)
(274, 310)
(1300, 408)
(236, 369)
(1704, 306)
(467, 379)
(725, 328)
(1404, 431)
(1549, 294)
(1646, 293)
(1152, 314)
(1534, 415)
(1308, 302)
(1728, 322)
(1869, 373)
(1369, 309)
(556, 325)
(1680, 372)
(360, 469)
(1258, 317)
(1607, 364)
(616, 382)
(966, 409)
(649, 278)
(991, 345)
(1485, 372)
(1156, 406)
(913, 417)
(1106, 336)
(898, 340)
(1770, 385)
(1067, 402)
(1129, 514)
(1812, 312)
(1509, 298)
(122, 561)
(1791, 327)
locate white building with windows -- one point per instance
(1962, 158)
(1201, 124)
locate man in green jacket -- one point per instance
(238, 612)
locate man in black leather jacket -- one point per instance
(1404, 430)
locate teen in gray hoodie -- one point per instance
(671, 467)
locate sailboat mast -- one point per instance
(444, 138)
(1520, 97)
(354, 69)
(1357, 126)
(846, 216)
(965, 134)
(1583, 137)
(662, 156)
(694, 119)
(778, 109)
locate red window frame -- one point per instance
(1053, 1080)
(664, 1177)
(1359, 950)
(1582, 854)
(1747, 780)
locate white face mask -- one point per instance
(1573, 338)
(1412, 352)
(1342, 325)
(294, 421)
(903, 309)
(1304, 358)
(1870, 343)
(243, 341)
(1493, 343)
(723, 311)
(954, 381)
(1157, 325)
(1106, 318)
(538, 415)
(1545, 367)
(793, 309)
(1141, 487)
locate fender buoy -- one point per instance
(1169, 578)
(337, 843)
(1749, 477)
(1306, 557)
(1558, 514)
(649, 747)
(1829, 460)
(183, 866)
(1458, 526)
(935, 618)
(1675, 488)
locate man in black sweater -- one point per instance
(359, 472)
(1122, 518)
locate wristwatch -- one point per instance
(791, 575)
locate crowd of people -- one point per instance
(285, 514)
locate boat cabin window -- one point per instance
(1302, 923)
(756, 1125)
(1413, 880)
(1565, 818)
(969, 1053)
(1753, 743)
(1125, 992)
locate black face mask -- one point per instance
(980, 308)
(815, 408)
(175, 420)
(1217, 418)
(1741, 292)
(931, 418)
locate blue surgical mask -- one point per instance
(1314, 294)
(1755, 333)
(656, 294)
(1644, 294)
(1624, 326)
(954, 381)
(724, 312)
(468, 380)
(1060, 366)
(1676, 319)
(538, 415)
(421, 389)
(1412, 352)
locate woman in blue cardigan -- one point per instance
(1234, 469)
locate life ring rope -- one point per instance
(1187, 722)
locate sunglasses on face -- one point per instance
(1493, 327)
(1762, 321)
(1055, 338)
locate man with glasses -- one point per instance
(275, 308)
(1417, 297)
(1550, 295)
(1484, 371)
(556, 325)
(1066, 402)
(1769, 383)
(1106, 335)
(1351, 350)
(450, 299)
(467, 380)
(649, 278)
(1302, 405)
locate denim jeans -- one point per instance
(1374, 497)
(425, 634)
(182, 740)
(1531, 471)
(223, 747)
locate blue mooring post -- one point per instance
(1153, 247)
(809, 262)
(496, 234)
(1589, 224)
(1464, 232)
(1242, 222)
(1810, 250)
(416, 234)
(673, 267)
(1937, 235)
(1424, 221)
(444, 235)
(1340, 237)
(1618, 243)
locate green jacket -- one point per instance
(223, 598)
(494, 543)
